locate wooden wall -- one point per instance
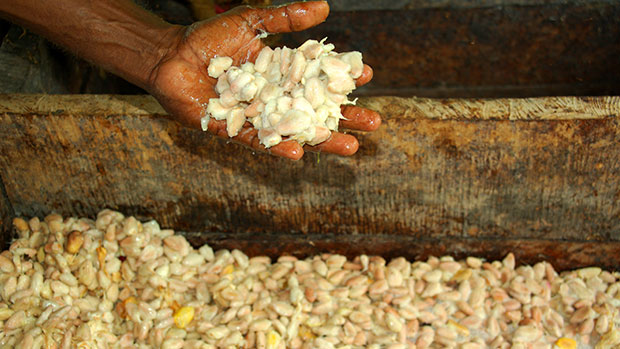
(478, 48)
(540, 177)
(428, 48)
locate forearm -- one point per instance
(116, 35)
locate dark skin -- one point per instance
(171, 61)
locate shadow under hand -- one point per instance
(283, 175)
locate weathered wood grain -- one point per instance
(541, 108)
(6, 216)
(564, 255)
(550, 175)
(534, 108)
(356, 5)
(509, 50)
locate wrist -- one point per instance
(164, 45)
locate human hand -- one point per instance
(182, 85)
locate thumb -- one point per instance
(283, 19)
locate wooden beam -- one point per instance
(540, 169)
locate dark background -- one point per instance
(449, 48)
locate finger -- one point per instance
(361, 119)
(217, 127)
(249, 137)
(293, 17)
(287, 149)
(365, 77)
(338, 143)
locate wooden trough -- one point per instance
(539, 177)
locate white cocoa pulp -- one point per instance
(295, 93)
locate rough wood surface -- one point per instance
(6, 216)
(510, 50)
(366, 5)
(541, 108)
(543, 170)
(564, 255)
(534, 108)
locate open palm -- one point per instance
(181, 84)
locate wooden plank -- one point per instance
(6, 216)
(551, 174)
(497, 51)
(562, 254)
(355, 5)
(536, 109)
